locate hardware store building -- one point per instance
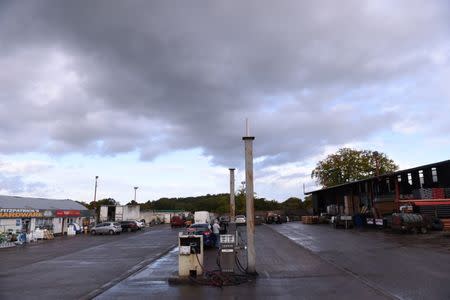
(22, 214)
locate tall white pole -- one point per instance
(135, 189)
(232, 201)
(95, 189)
(250, 207)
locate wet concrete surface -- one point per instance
(150, 281)
(404, 266)
(285, 269)
(81, 266)
(294, 261)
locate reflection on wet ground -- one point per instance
(285, 270)
(408, 266)
(81, 266)
(315, 262)
(150, 280)
(319, 237)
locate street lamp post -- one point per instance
(95, 189)
(135, 189)
(95, 205)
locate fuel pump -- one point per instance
(227, 252)
(190, 255)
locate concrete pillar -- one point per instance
(249, 199)
(135, 189)
(232, 201)
(95, 189)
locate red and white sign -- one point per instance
(67, 213)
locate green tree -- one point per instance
(307, 203)
(348, 165)
(292, 203)
(239, 200)
(98, 203)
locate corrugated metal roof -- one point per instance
(38, 203)
(381, 176)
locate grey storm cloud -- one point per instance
(111, 77)
(16, 184)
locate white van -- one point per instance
(202, 217)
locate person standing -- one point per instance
(216, 231)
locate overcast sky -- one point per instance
(155, 93)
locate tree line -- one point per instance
(218, 203)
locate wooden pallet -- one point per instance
(310, 219)
(446, 223)
(48, 235)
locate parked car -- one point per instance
(177, 221)
(107, 228)
(283, 218)
(140, 223)
(129, 226)
(203, 229)
(273, 218)
(224, 219)
(259, 220)
(240, 219)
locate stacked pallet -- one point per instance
(48, 235)
(446, 223)
(438, 193)
(310, 219)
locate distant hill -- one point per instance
(218, 203)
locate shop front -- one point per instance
(19, 219)
(26, 215)
(64, 218)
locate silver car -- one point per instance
(107, 228)
(240, 219)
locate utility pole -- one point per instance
(232, 201)
(250, 207)
(135, 189)
(95, 189)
